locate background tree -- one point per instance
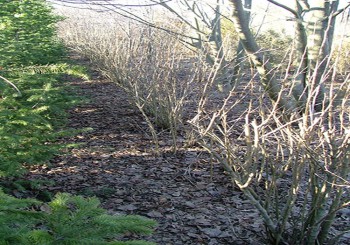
(314, 38)
(314, 31)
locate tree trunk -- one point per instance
(299, 88)
(240, 50)
(320, 28)
(269, 82)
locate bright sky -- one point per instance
(262, 11)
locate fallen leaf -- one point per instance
(154, 214)
(212, 232)
(129, 207)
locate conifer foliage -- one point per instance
(67, 220)
(31, 113)
(33, 101)
(28, 31)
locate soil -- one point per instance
(190, 196)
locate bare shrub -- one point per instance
(153, 66)
(295, 173)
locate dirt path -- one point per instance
(192, 201)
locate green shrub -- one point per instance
(341, 56)
(276, 43)
(29, 117)
(28, 123)
(65, 220)
(28, 33)
(32, 117)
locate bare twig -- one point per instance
(12, 85)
